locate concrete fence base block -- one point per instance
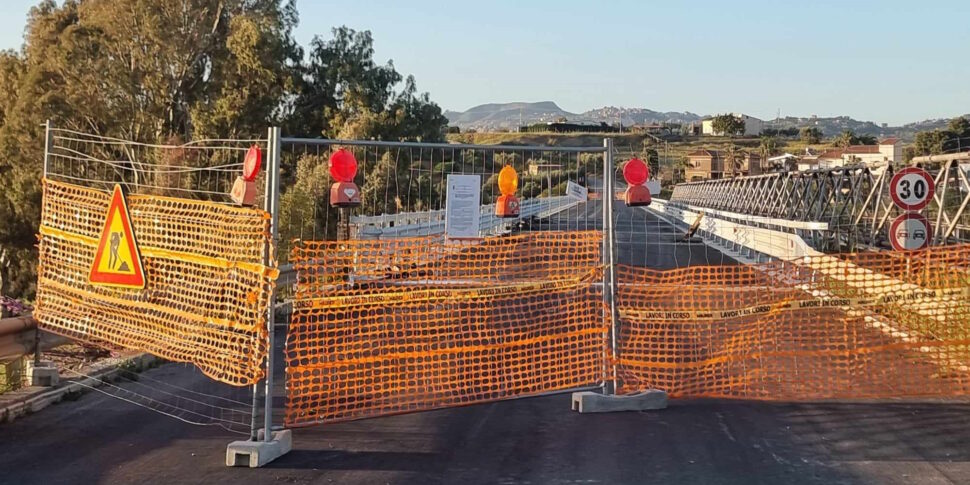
(594, 402)
(255, 454)
(44, 374)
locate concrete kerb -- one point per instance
(32, 399)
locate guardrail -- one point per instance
(433, 222)
(750, 241)
(18, 338)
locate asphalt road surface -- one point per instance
(101, 439)
(642, 238)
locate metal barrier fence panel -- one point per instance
(208, 283)
(403, 188)
(866, 325)
(385, 314)
(390, 316)
(385, 327)
(778, 287)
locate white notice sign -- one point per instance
(463, 211)
(578, 191)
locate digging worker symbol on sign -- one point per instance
(114, 258)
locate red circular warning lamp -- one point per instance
(252, 163)
(635, 172)
(343, 166)
(508, 180)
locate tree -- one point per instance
(768, 146)
(932, 142)
(845, 139)
(956, 137)
(865, 140)
(652, 158)
(959, 129)
(342, 92)
(734, 160)
(811, 135)
(728, 124)
(154, 70)
(848, 138)
(143, 70)
(959, 126)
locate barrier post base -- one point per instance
(43, 374)
(594, 402)
(255, 454)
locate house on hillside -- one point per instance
(714, 164)
(885, 152)
(752, 126)
(830, 158)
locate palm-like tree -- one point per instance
(769, 147)
(735, 158)
(845, 139)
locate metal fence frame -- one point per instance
(287, 276)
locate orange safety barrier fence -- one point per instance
(207, 291)
(866, 325)
(394, 326)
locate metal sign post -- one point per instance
(609, 261)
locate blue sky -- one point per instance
(872, 60)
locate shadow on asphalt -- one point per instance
(98, 439)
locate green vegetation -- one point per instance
(848, 138)
(811, 135)
(728, 124)
(768, 147)
(956, 137)
(186, 70)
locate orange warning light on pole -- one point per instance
(244, 188)
(508, 181)
(343, 169)
(252, 163)
(636, 174)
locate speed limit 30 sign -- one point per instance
(912, 188)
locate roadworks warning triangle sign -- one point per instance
(117, 261)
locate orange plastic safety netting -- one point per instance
(393, 326)
(207, 291)
(867, 325)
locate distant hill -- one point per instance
(639, 116)
(507, 116)
(834, 125)
(496, 116)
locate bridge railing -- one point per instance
(845, 208)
